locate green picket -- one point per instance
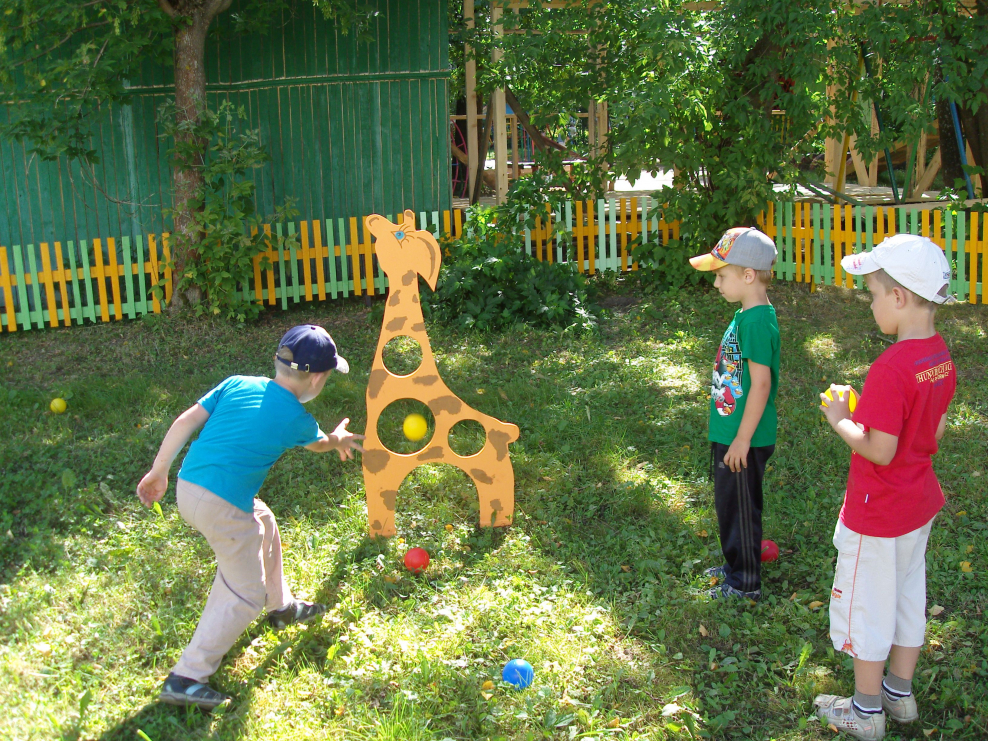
(76, 293)
(282, 288)
(142, 290)
(38, 312)
(90, 304)
(962, 284)
(344, 260)
(293, 261)
(23, 312)
(128, 277)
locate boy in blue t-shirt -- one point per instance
(247, 423)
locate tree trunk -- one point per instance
(195, 17)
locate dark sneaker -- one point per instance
(726, 591)
(296, 612)
(718, 572)
(186, 692)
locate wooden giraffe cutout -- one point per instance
(404, 253)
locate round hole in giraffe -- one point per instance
(402, 355)
(467, 437)
(437, 492)
(391, 427)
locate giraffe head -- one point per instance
(401, 248)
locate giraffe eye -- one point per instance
(399, 236)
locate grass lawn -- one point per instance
(597, 584)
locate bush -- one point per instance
(489, 282)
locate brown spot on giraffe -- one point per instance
(426, 380)
(376, 382)
(395, 324)
(408, 278)
(496, 505)
(376, 460)
(431, 454)
(446, 404)
(389, 497)
(499, 440)
(415, 299)
(420, 327)
(395, 298)
(481, 476)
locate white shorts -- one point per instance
(879, 594)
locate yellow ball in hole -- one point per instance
(415, 427)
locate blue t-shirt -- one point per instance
(252, 421)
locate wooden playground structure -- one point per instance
(510, 130)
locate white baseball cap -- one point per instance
(915, 262)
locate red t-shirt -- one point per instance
(907, 391)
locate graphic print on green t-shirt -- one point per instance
(752, 335)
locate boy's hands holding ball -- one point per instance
(837, 403)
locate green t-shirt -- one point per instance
(752, 335)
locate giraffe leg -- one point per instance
(497, 497)
(380, 506)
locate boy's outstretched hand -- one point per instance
(152, 487)
(344, 441)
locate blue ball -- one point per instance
(518, 673)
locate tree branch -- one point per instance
(168, 8)
(539, 139)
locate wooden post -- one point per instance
(470, 69)
(515, 159)
(500, 121)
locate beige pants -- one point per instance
(249, 574)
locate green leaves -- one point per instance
(229, 233)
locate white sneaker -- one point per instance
(901, 709)
(839, 712)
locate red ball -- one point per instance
(417, 560)
(770, 551)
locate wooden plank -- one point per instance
(332, 251)
(128, 273)
(24, 309)
(278, 255)
(258, 281)
(368, 249)
(307, 256)
(37, 313)
(972, 250)
(8, 291)
(320, 250)
(797, 228)
(167, 259)
(49, 280)
(961, 286)
(272, 261)
(345, 267)
(62, 285)
(353, 249)
(74, 274)
(634, 225)
(100, 275)
(141, 304)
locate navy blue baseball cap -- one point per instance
(313, 350)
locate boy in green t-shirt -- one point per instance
(742, 405)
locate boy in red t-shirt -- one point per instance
(878, 603)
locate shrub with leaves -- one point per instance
(229, 232)
(489, 282)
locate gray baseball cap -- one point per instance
(743, 246)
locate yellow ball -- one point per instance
(58, 405)
(852, 399)
(415, 427)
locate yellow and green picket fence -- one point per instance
(56, 283)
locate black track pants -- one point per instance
(738, 501)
